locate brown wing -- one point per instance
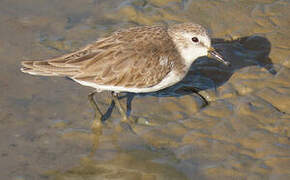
(137, 57)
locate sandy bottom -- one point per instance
(242, 134)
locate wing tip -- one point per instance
(27, 66)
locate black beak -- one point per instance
(214, 54)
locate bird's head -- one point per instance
(193, 41)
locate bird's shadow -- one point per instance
(206, 73)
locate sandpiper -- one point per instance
(138, 59)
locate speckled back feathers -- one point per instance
(138, 57)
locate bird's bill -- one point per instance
(214, 54)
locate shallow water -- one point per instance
(242, 134)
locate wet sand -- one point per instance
(242, 134)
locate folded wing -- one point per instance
(137, 57)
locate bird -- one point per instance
(139, 59)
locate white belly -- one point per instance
(169, 80)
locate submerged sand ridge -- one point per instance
(242, 134)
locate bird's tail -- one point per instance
(45, 68)
(67, 65)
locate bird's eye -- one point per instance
(194, 39)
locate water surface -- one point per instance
(242, 134)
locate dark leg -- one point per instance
(196, 91)
(205, 102)
(129, 103)
(125, 123)
(98, 114)
(119, 106)
(109, 111)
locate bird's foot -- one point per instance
(97, 126)
(126, 125)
